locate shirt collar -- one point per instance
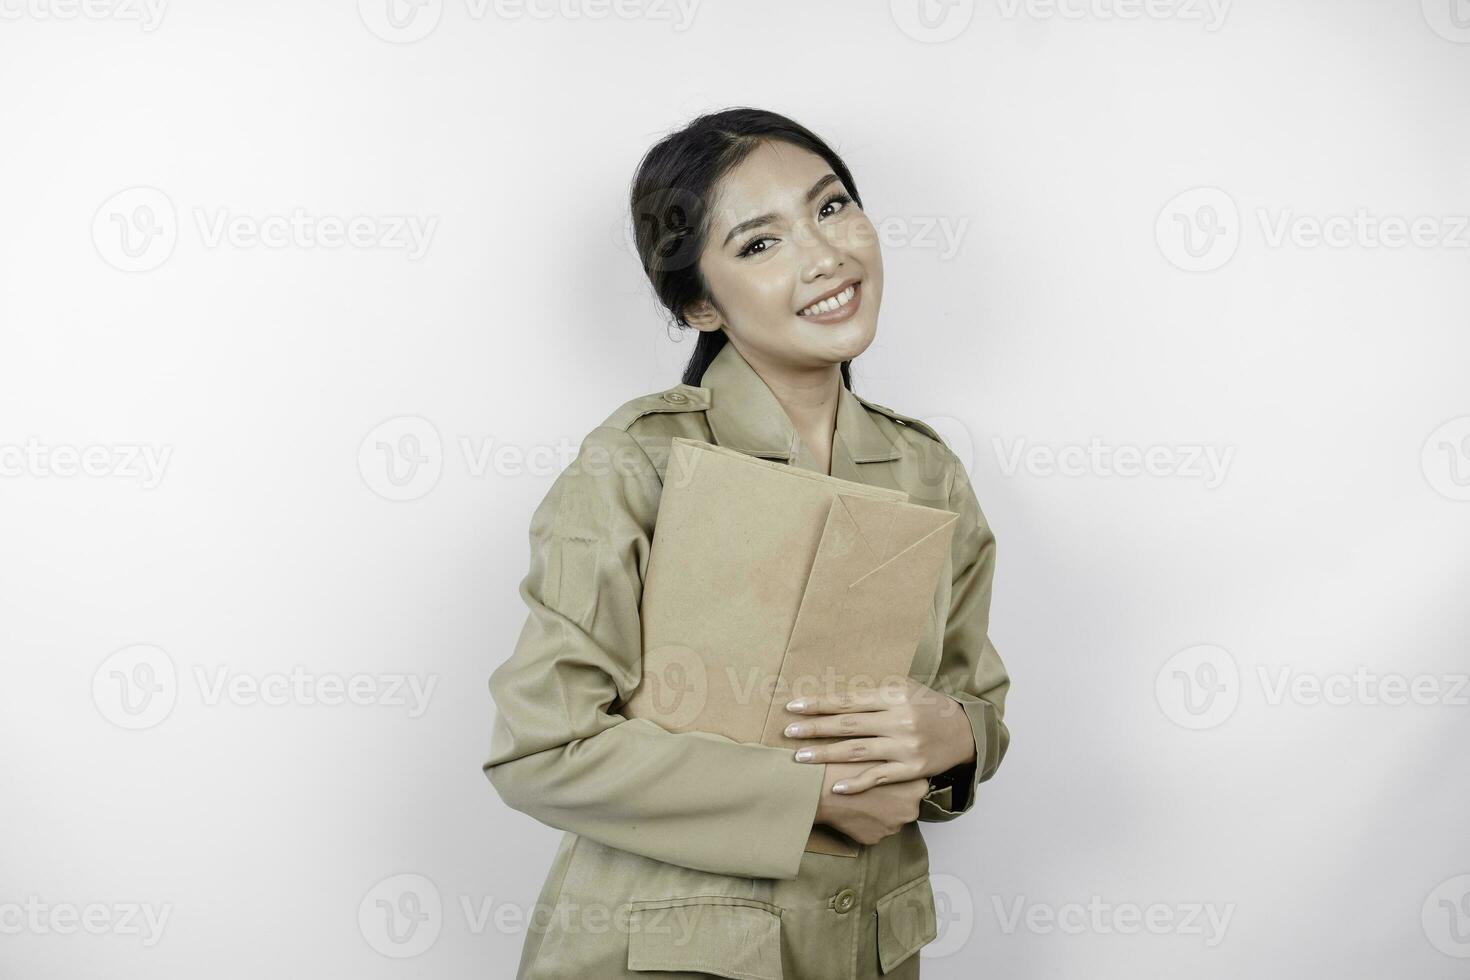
(745, 415)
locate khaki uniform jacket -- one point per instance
(683, 852)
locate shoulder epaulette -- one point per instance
(905, 420)
(680, 398)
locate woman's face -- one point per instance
(811, 240)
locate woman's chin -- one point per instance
(844, 341)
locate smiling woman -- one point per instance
(691, 845)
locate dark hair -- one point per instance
(671, 200)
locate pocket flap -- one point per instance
(723, 936)
(906, 922)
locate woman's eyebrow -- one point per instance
(763, 219)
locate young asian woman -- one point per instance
(683, 853)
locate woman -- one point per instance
(683, 852)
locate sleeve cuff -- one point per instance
(798, 788)
(952, 792)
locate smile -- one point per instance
(834, 307)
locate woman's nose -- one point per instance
(822, 257)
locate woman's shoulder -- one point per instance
(935, 471)
(679, 399)
(645, 426)
(904, 421)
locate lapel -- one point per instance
(745, 415)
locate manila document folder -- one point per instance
(767, 582)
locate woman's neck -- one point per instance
(809, 398)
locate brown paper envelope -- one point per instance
(734, 543)
(760, 573)
(870, 590)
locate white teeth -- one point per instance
(828, 305)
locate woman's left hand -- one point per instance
(912, 733)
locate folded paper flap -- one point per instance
(926, 553)
(887, 528)
(921, 553)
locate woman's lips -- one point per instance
(842, 312)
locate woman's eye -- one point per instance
(839, 199)
(842, 199)
(750, 249)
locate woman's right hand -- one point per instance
(873, 814)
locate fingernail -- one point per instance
(802, 755)
(798, 704)
(793, 730)
(839, 787)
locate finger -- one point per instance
(863, 700)
(849, 750)
(880, 775)
(838, 726)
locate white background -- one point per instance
(1147, 620)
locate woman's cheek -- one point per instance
(869, 250)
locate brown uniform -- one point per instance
(683, 853)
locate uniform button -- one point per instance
(842, 901)
(675, 397)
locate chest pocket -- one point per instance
(739, 938)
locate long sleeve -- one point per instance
(970, 669)
(560, 752)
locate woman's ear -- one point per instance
(703, 316)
